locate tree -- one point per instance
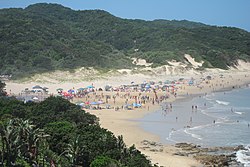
(2, 91)
(104, 161)
(10, 143)
(20, 140)
(71, 137)
(74, 151)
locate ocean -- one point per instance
(216, 119)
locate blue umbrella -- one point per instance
(147, 86)
(71, 91)
(94, 103)
(136, 105)
(90, 86)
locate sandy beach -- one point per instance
(123, 122)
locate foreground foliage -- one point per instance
(46, 37)
(56, 132)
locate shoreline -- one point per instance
(184, 100)
(170, 149)
(123, 122)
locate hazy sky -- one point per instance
(234, 13)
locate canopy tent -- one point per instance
(107, 87)
(59, 89)
(167, 82)
(66, 94)
(128, 106)
(80, 104)
(37, 87)
(208, 77)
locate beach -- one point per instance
(127, 122)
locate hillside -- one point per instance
(47, 37)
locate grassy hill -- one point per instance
(45, 37)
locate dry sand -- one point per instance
(123, 122)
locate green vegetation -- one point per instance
(2, 92)
(45, 37)
(56, 131)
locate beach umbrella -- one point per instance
(81, 89)
(59, 89)
(136, 105)
(191, 82)
(90, 86)
(147, 86)
(93, 103)
(100, 102)
(87, 102)
(71, 91)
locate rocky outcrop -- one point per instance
(152, 146)
(210, 157)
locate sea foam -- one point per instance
(243, 156)
(222, 102)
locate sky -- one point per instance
(232, 13)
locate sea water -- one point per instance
(221, 119)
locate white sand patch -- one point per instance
(243, 66)
(140, 62)
(176, 63)
(125, 71)
(193, 62)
